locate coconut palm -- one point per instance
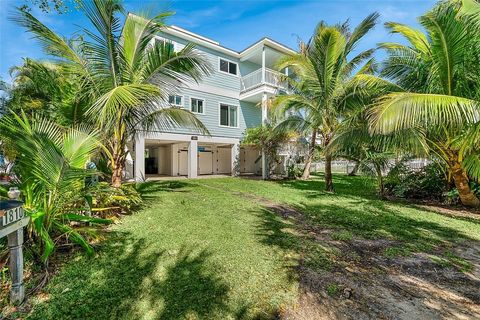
(50, 171)
(125, 74)
(438, 91)
(322, 76)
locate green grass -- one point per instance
(208, 249)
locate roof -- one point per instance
(196, 38)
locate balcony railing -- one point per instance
(254, 79)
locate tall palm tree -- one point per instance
(323, 73)
(125, 73)
(438, 91)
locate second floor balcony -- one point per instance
(262, 77)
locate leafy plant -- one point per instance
(427, 183)
(105, 199)
(50, 172)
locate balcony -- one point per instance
(256, 79)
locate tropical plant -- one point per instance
(268, 139)
(42, 88)
(322, 80)
(437, 92)
(50, 172)
(124, 72)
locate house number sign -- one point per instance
(12, 221)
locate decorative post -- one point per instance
(11, 225)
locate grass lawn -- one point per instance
(217, 249)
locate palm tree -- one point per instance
(323, 73)
(437, 93)
(125, 74)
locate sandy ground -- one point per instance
(372, 286)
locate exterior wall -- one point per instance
(217, 78)
(249, 114)
(217, 88)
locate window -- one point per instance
(175, 100)
(228, 115)
(196, 105)
(228, 67)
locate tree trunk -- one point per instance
(355, 169)
(118, 166)
(467, 197)
(328, 173)
(311, 153)
(381, 185)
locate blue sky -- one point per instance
(235, 24)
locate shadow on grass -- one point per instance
(128, 281)
(148, 189)
(358, 186)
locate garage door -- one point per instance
(248, 158)
(182, 162)
(223, 160)
(205, 161)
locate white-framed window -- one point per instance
(175, 100)
(197, 105)
(228, 115)
(228, 66)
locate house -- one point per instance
(231, 99)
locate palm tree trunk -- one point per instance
(355, 169)
(381, 185)
(467, 197)
(117, 171)
(311, 152)
(328, 173)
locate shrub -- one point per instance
(106, 200)
(427, 183)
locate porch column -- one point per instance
(174, 160)
(263, 64)
(192, 159)
(235, 158)
(139, 163)
(264, 120)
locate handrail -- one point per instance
(254, 79)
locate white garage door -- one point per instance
(182, 162)
(223, 160)
(248, 158)
(205, 162)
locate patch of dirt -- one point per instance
(365, 284)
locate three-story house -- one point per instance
(228, 101)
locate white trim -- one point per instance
(220, 115)
(182, 137)
(182, 105)
(230, 61)
(204, 104)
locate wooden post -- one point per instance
(15, 244)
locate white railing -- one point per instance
(254, 79)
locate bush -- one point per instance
(427, 183)
(107, 200)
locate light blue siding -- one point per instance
(217, 78)
(249, 114)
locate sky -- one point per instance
(235, 24)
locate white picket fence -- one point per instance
(346, 166)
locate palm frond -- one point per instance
(403, 110)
